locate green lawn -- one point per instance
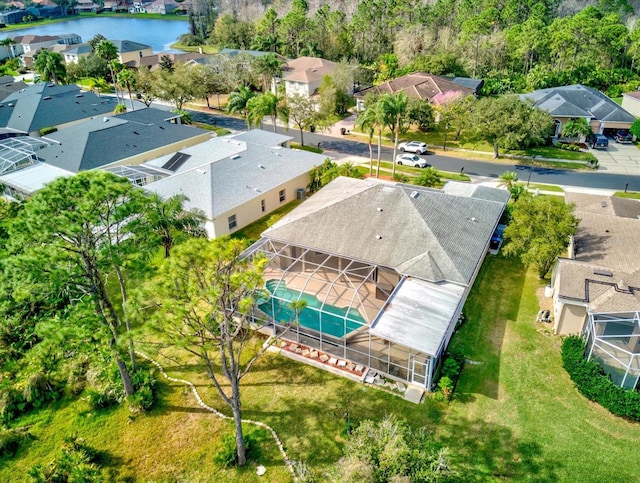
(515, 415)
(634, 195)
(311, 149)
(545, 187)
(415, 172)
(252, 232)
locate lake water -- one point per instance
(159, 34)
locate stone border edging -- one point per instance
(202, 404)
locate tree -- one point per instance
(366, 122)
(302, 111)
(429, 177)
(127, 79)
(539, 230)
(267, 67)
(95, 41)
(389, 450)
(635, 128)
(328, 171)
(176, 86)
(109, 52)
(203, 299)
(508, 122)
(574, 128)
(238, 103)
(420, 112)
(394, 109)
(50, 66)
(508, 179)
(76, 234)
(209, 80)
(266, 104)
(145, 85)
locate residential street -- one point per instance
(485, 169)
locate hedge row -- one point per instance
(594, 384)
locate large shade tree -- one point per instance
(202, 303)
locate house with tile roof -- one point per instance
(303, 75)
(384, 269)
(596, 289)
(577, 101)
(234, 180)
(420, 85)
(50, 105)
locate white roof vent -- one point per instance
(414, 194)
(261, 166)
(378, 237)
(201, 171)
(235, 156)
(105, 119)
(379, 209)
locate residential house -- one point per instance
(304, 75)
(577, 101)
(84, 6)
(129, 50)
(50, 105)
(8, 85)
(631, 102)
(384, 269)
(420, 85)
(30, 45)
(12, 17)
(116, 5)
(596, 289)
(153, 61)
(73, 54)
(234, 180)
(162, 7)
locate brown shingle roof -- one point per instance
(307, 69)
(418, 85)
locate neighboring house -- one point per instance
(10, 51)
(596, 290)
(49, 105)
(30, 45)
(304, 75)
(73, 54)
(631, 102)
(420, 85)
(161, 6)
(84, 6)
(13, 17)
(153, 61)
(131, 138)
(116, 5)
(8, 85)
(384, 269)
(129, 50)
(233, 180)
(578, 101)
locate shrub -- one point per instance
(401, 178)
(594, 384)
(227, 454)
(144, 382)
(10, 440)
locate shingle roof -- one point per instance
(125, 46)
(307, 69)
(79, 49)
(420, 85)
(46, 105)
(106, 140)
(578, 101)
(419, 232)
(263, 138)
(217, 185)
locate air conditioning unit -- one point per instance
(301, 194)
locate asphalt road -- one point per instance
(589, 179)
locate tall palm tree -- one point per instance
(394, 108)
(50, 66)
(366, 122)
(109, 52)
(508, 179)
(237, 103)
(266, 104)
(127, 79)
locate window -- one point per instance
(232, 222)
(283, 196)
(263, 206)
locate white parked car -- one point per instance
(411, 160)
(413, 147)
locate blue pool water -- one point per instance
(331, 320)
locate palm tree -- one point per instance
(429, 177)
(366, 122)
(127, 79)
(238, 101)
(394, 108)
(50, 66)
(109, 52)
(576, 128)
(266, 104)
(508, 179)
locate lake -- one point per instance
(159, 34)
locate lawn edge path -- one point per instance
(202, 404)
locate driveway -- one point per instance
(619, 158)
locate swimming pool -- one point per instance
(331, 319)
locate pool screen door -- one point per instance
(419, 373)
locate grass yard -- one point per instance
(252, 232)
(545, 187)
(516, 415)
(415, 172)
(634, 195)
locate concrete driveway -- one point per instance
(619, 158)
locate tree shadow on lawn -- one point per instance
(493, 302)
(482, 450)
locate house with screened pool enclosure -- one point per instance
(383, 270)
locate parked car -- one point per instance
(599, 141)
(624, 137)
(413, 147)
(411, 160)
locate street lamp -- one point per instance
(530, 170)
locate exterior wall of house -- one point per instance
(129, 56)
(74, 58)
(252, 210)
(293, 87)
(570, 318)
(631, 105)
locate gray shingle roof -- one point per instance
(578, 101)
(419, 232)
(97, 142)
(46, 105)
(217, 185)
(125, 46)
(263, 138)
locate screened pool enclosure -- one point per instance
(342, 299)
(613, 339)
